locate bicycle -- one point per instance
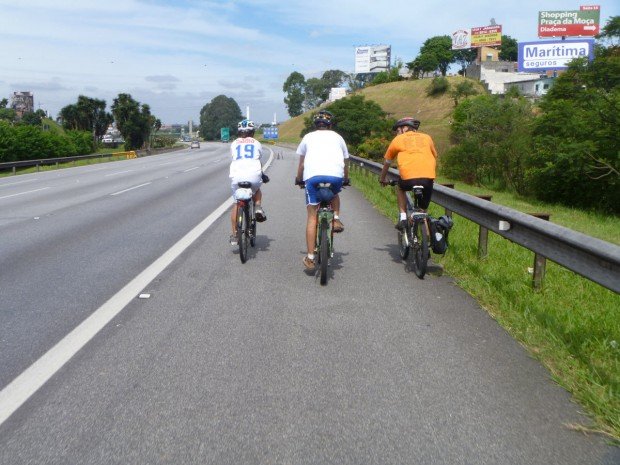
(324, 249)
(246, 220)
(416, 235)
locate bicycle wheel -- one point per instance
(420, 248)
(323, 251)
(403, 242)
(243, 233)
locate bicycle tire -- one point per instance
(253, 229)
(243, 233)
(403, 242)
(420, 249)
(323, 251)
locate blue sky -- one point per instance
(178, 55)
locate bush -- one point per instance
(373, 148)
(494, 142)
(438, 86)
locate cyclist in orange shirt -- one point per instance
(416, 158)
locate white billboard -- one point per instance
(372, 58)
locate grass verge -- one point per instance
(107, 157)
(572, 325)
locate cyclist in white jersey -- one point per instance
(323, 157)
(246, 166)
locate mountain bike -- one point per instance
(324, 250)
(246, 221)
(415, 237)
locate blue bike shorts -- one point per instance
(312, 187)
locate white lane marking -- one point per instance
(191, 169)
(23, 193)
(36, 375)
(18, 182)
(167, 163)
(118, 172)
(131, 188)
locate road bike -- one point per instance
(415, 237)
(246, 220)
(324, 249)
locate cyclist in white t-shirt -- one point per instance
(246, 166)
(322, 158)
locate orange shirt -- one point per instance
(415, 155)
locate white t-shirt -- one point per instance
(246, 153)
(325, 152)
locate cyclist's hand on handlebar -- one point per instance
(265, 178)
(346, 182)
(383, 182)
(300, 183)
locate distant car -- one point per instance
(195, 145)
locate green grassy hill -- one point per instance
(399, 99)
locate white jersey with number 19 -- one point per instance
(246, 153)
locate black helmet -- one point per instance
(408, 121)
(323, 118)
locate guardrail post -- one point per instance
(38, 167)
(14, 170)
(483, 234)
(448, 211)
(540, 262)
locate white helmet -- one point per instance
(245, 126)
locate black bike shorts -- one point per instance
(426, 183)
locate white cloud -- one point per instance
(176, 55)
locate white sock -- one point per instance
(336, 217)
(311, 256)
(403, 216)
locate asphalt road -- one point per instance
(256, 362)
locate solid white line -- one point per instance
(37, 374)
(22, 193)
(118, 172)
(131, 188)
(191, 169)
(167, 163)
(18, 182)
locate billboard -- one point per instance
(484, 36)
(461, 39)
(570, 23)
(372, 58)
(552, 54)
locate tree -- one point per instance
(509, 49)
(134, 121)
(611, 32)
(315, 93)
(334, 78)
(465, 57)
(31, 118)
(88, 114)
(221, 112)
(294, 86)
(437, 50)
(577, 143)
(356, 120)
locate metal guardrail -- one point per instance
(590, 257)
(55, 161)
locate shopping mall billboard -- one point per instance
(570, 23)
(552, 54)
